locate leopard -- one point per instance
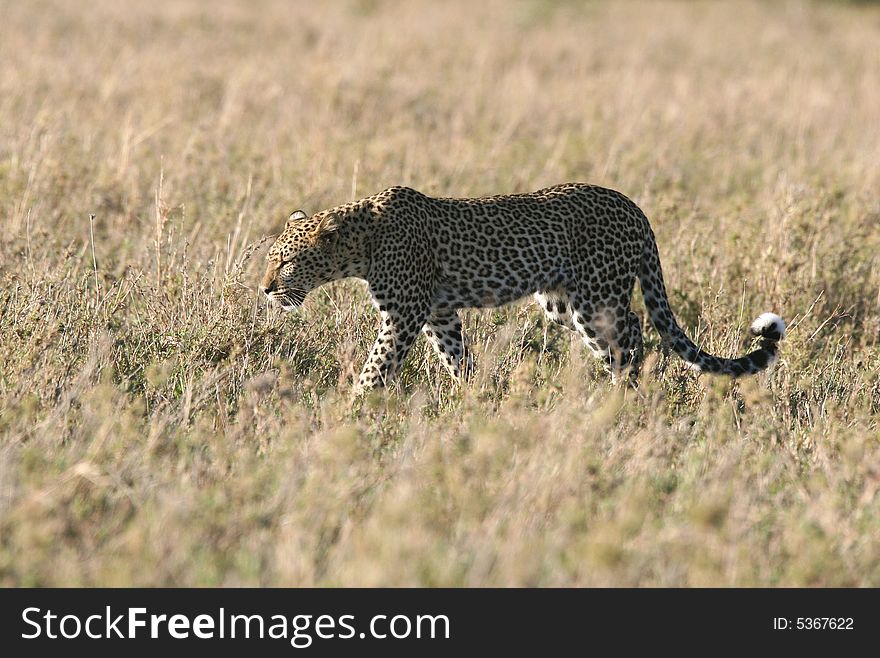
(577, 248)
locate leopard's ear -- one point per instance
(329, 223)
(295, 216)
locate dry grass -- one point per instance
(159, 427)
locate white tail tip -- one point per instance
(770, 326)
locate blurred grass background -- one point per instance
(158, 426)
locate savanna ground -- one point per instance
(160, 426)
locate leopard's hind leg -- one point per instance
(612, 332)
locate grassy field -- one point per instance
(160, 426)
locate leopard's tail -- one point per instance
(769, 327)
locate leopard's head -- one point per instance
(301, 259)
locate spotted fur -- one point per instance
(578, 248)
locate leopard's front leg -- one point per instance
(397, 333)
